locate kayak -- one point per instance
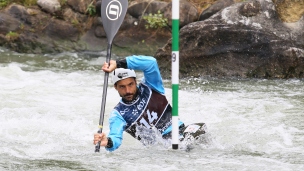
(189, 135)
(192, 135)
(193, 131)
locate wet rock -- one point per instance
(146, 7)
(133, 36)
(188, 13)
(250, 9)
(98, 7)
(80, 6)
(230, 44)
(8, 23)
(290, 10)
(73, 17)
(51, 6)
(245, 39)
(20, 13)
(57, 29)
(39, 32)
(214, 8)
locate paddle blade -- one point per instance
(112, 14)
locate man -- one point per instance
(143, 106)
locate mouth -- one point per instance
(129, 96)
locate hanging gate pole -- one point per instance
(175, 72)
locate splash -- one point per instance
(151, 137)
(195, 135)
(191, 136)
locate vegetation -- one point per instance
(91, 10)
(155, 21)
(11, 36)
(200, 4)
(62, 2)
(75, 22)
(25, 2)
(4, 3)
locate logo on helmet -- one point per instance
(122, 75)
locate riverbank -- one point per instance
(253, 124)
(226, 38)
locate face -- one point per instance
(126, 88)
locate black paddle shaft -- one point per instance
(104, 95)
(112, 14)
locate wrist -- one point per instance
(110, 143)
(121, 63)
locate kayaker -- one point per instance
(142, 106)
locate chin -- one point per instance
(129, 99)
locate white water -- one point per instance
(49, 111)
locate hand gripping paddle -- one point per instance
(112, 14)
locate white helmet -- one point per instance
(121, 74)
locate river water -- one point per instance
(50, 104)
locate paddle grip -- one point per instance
(97, 146)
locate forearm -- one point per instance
(117, 124)
(149, 66)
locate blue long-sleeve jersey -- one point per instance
(152, 91)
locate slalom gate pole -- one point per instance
(175, 72)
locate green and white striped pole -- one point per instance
(175, 72)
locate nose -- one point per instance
(128, 89)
